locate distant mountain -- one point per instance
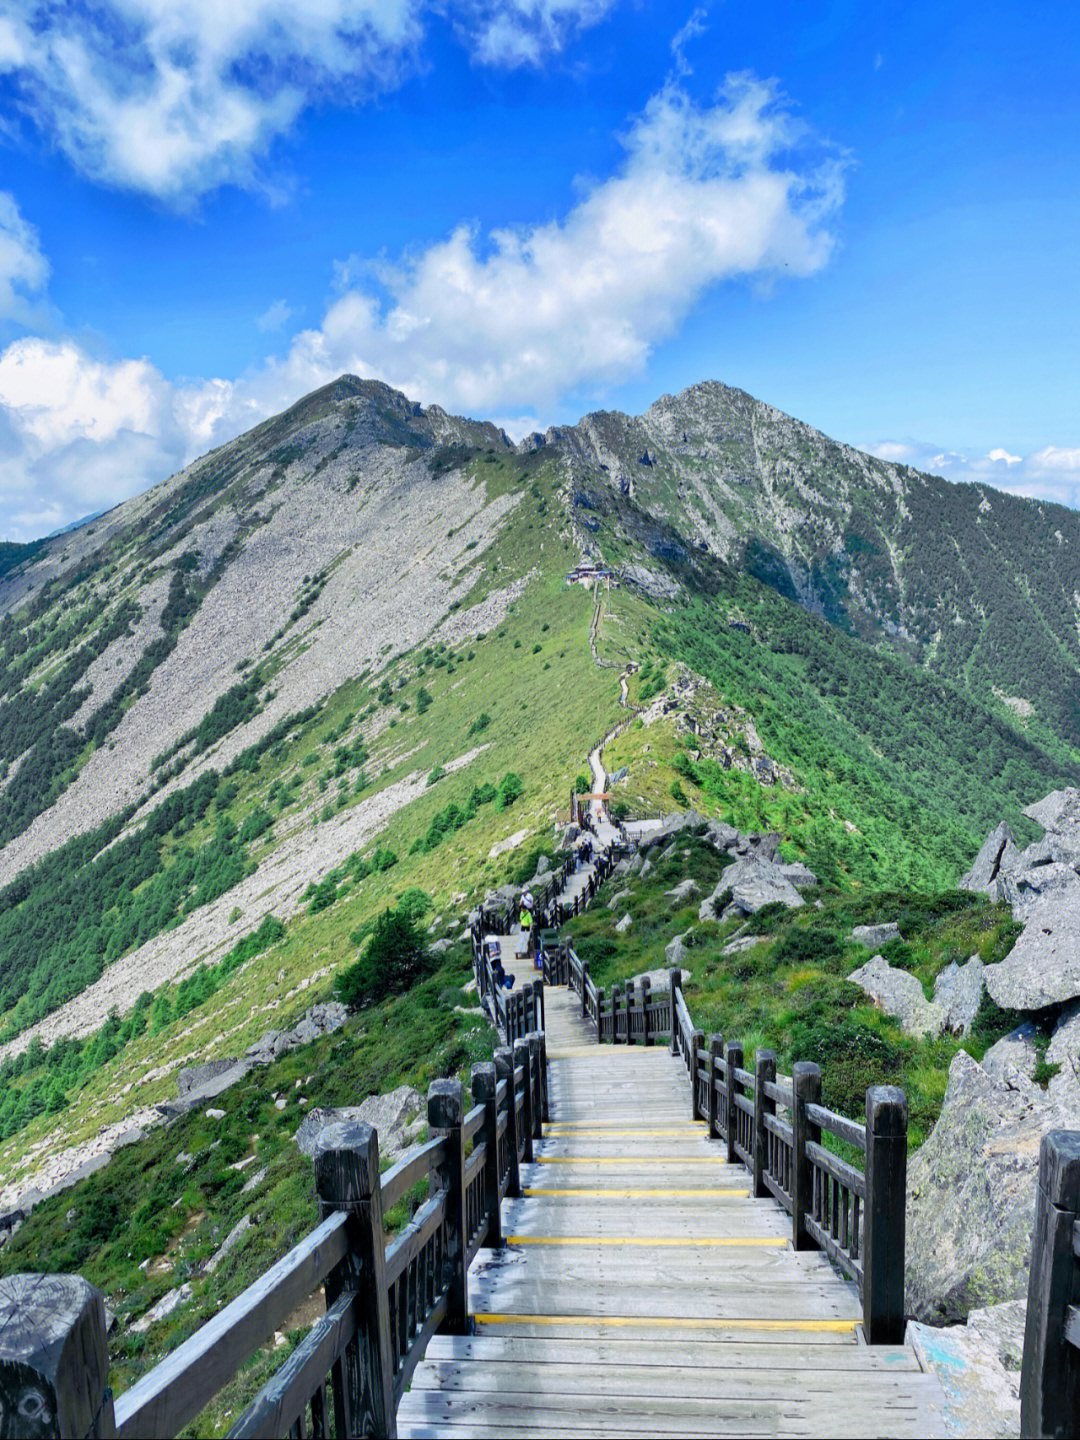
(977, 586)
(272, 631)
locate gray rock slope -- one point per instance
(356, 485)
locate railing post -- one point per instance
(523, 1059)
(716, 1051)
(644, 988)
(347, 1178)
(733, 1059)
(674, 980)
(504, 1070)
(884, 1316)
(446, 1111)
(615, 1014)
(538, 991)
(806, 1087)
(584, 988)
(600, 1016)
(536, 1078)
(483, 1085)
(54, 1359)
(697, 1039)
(764, 1074)
(1050, 1379)
(629, 1007)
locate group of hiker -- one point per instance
(584, 850)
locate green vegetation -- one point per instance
(68, 1064)
(790, 992)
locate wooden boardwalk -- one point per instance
(642, 1291)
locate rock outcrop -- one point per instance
(899, 994)
(1042, 885)
(971, 1194)
(398, 1116)
(994, 861)
(874, 936)
(750, 884)
(958, 989)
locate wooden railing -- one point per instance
(1050, 1377)
(385, 1298)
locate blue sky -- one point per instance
(525, 209)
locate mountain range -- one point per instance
(334, 638)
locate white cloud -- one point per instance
(274, 317)
(174, 99)
(511, 323)
(78, 433)
(1052, 473)
(520, 317)
(694, 27)
(23, 268)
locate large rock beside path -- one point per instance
(1043, 967)
(971, 1194)
(396, 1116)
(899, 994)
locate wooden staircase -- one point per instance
(641, 1290)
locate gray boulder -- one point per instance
(798, 873)
(958, 989)
(231, 1241)
(199, 1083)
(722, 837)
(502, 901)
(394, 1115)
(753, 883)
(899, 994)
(169, 1302)
(874, 936)
(1059, 811)
(996, 858)
(1064, 1051)
(440, 947)
(744, 942)
(194, 1077)
(1012, 1059)
(659, 979)
(321, 1019)
(618, 898)
(1043, 967)
(971, 1195)
(764, 846)
(1029, 887)
(683, 891)
(675, 952)
(1003, 1327)
(624, 924)
(981, 1397)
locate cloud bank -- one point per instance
(175, 97)
(1052, 473)
(506, 322)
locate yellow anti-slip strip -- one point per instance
(682, 1162)
(652, 1241)
(564, 1132)
(671, 1322)
(639, 1194)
